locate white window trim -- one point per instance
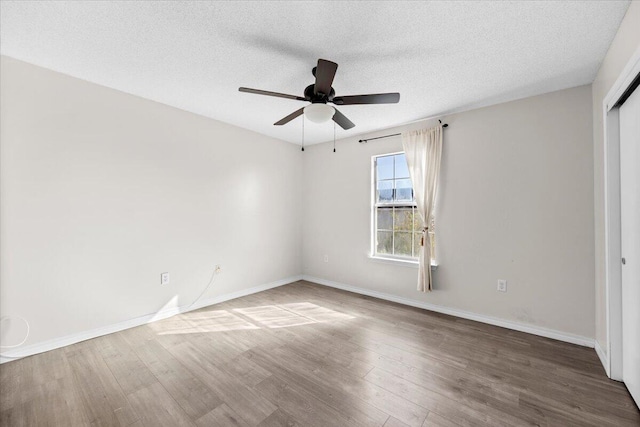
(388, 258)
(404, 262)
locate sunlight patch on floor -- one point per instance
(219, 321)
(250, 318)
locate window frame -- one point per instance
(394, 204)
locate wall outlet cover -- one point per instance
(502, 285)
(164, 278)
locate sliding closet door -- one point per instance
(630, 222)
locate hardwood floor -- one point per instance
(307, 355)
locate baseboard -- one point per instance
(137, 321)
(604, 357)
(244, 292)
(530, 329)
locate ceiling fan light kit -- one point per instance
(320, 93)
(319, 113)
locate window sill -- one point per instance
(401, 262)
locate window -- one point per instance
(396, 224)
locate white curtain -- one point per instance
(423, 149)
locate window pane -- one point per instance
(402, 170)
(384, 242)
(404, 190)
(384, 168)
(417, 220)
(402, 244)
(385, 191)
(403, 219)
(397, 224)
(385, 218)
(416, 244)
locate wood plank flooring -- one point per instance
(307, 355)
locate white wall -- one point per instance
(102, 191)
(625, 43)
(516, 203)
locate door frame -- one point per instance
(612, 213)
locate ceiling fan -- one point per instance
(320, 93)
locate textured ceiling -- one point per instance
(441, 56)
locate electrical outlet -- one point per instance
(502, 285)
(218, 269)
(326, 258)
(164, 279)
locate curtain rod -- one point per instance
(393, 134)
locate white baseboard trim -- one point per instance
(530, 329)
(604, 358)
(137, 321)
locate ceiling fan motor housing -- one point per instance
(310, 95)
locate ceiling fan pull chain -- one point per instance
(303, 133)
(334, 137)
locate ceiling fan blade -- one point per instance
(342, 120)
(290, 117)
(266, 92)
(325, 72)
(374, 98)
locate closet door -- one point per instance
(630, 222)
